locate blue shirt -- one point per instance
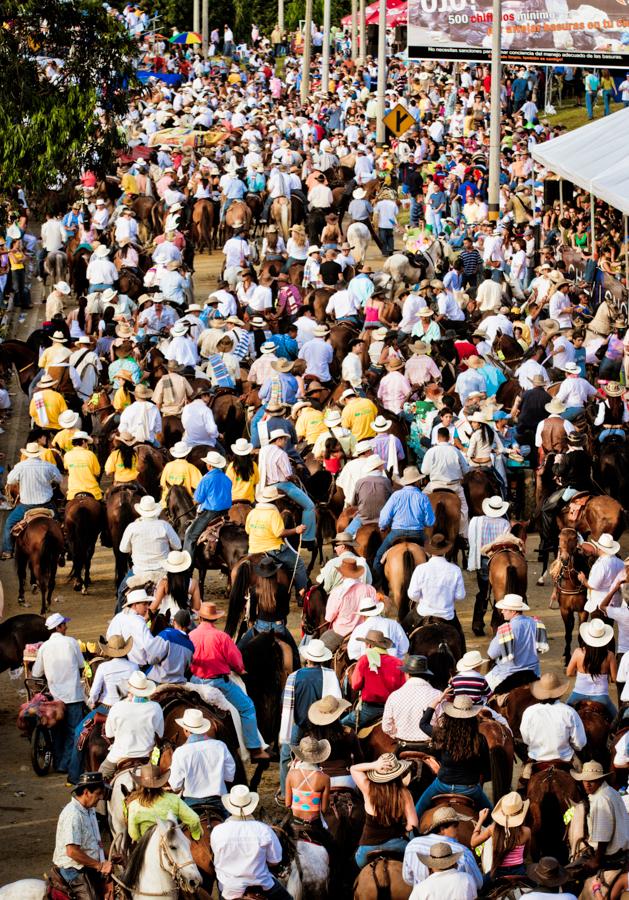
(285, 347)
(407, 508)
(214, 491)
(493, 378)
(288, 387)
(525, 656)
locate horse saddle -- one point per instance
(375, 855)
(211, 533)
(220, 392)
(349, 326)
(574, 508)
(89, 726)
(415, 259)
(83, 494)
(501, 544)
(463, 805)
(39, 512)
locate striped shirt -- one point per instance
(35, 478)
(472, 261)
(471, 684)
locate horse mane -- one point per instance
(136, 860)
(240, 585)
(441, 519)
(512, 582)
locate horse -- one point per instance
(613, 469)
(568, 590)
(229, 415)
(598, 515)
(23, 357)
(150, 466)
(202, 227)
(501, 752)
(268, 663)
(40, 546)
(281, 215)
(358, 237)
(120, 511)
(479, 485)
(161, 864)
(446, 506)
(56, 266)
(180, 508)
(313, 611)
(440, 642)
(381, 879)
(551, 792)
(238, 216)
(596, 720)
(229, 549)
(507, 575)
(247, 588)
(507, 349)
(400, 561)
(82, 524)
(15, 633)
(512, 707)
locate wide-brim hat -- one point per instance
(316, 651)
(359, 194)
(613, 389)
(142, 392)
(446, 815)
(242, 447)
(571, 368)
(114, 647)
(369, 607)
(139, 685)
(596, 633)
(59, 338)
(510, 811)
(240, 801)
(550, 327)
(180, 450)
(474, 362)
(591, 771)
(214, 459)
(606, 544)
(410, 475)
(380, 424)
(462, 707)
(282, 365)
(332, 418)
(31, 449)
(125, 375)
(438, 545)
(69, 419)
(268, 494)
(343, 537)
(387, 768)
(327, 710)
(178, 561)
(495, 507)
(538, 380)
(194, 721)
(101, 251)
(419, 348)
(320, 330)
(547, 872)
(377, 638)
(311, 750)
(351, 568)
(148, 507)
(549, 687)
(416, 665)
(512, 603)
(470, 660)
(555, 407)
(394, 364)
(150, 776)
(440, 857)
(209, 612)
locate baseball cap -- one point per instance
(55, 620)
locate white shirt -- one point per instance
(444, 463)
(552, 731)
(352, 370)
(201, 768)
(410, 312)
(318, 355)
(133, 725)
(566, 354)
(414, 871)
(236, 252)
(447, 885)
(305, 329)
(141, 419)
(527, 370)
(390, 629)
(243, 851)
(198, 424)
(53, 235)
(602, 576)
(60, 660)
(147, 649)
(351, 473)
(448, 307)
(575, 391)
(387, 211)
(107, 678)
(183, 350)
(436, 585)
(492, 324)
(101, 271)
(149, 541)
(342, 304)
(559, 302)
(569, 427)
(261, 298)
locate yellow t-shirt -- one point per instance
(264, 526)
(234, 78)
(358, 415)
(128, 184)
(45, 453)
(83, 469)
(115, 466)
(243, 490)
(179, 471)
(63, 439)
(55, 405)
(310, 424)
(121, 399)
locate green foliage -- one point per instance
(295, 11)
(49, 128)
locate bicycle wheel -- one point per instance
(41, 750)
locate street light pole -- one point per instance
(354, 35)
(280, 14)
(305, 62)
(196, 16)
(325, 50)
(493, 212)
(382, 72)
(362, 32)
(205, 27)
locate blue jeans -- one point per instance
(607, 96)
(76, 756)
(611, 432)
(214, 803)
(290, 559)
(364, 850)
(16, 515)
(282, 632)
(369, 712)
(571, 413)
(475, 792)
(416, 212)
(308, 508)
(575, 697)
(285, 754)
(353, 526)
(387, 240)
(590, 97)
(415, 534)
(243, 704)
(63, 736)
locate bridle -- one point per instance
(173, 869)
(306, 627)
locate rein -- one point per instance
(174, 872)
(305, 626)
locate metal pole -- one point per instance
(626, 252)
(196, 16)
(362, 32)
(205, 27)
(354, 35)
(382, 72)
(561, 197)
(325, 55)
(280, 15)
(494, 121)
(593, 222)
(305, 62)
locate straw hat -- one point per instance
(394, 364)
(242, 447)
(32, 449)
(136, 596)
(150, 776)
(469, 661)
(494, 507)
(419, 348)
(613, 389)
(438, 545)
(327, 710)
(311, 750)
(277, 434)
(446, 815)
(474, 362)
(549, 687)
(194, 721)
(372, 464)
(462, 707)
(148, 507)
(377, 638)
(267, 347)
(139, 685)
(320, 330)
(571, 368)
(550, 327)
(332, 418)
(512, 602)
(180, 450)
(314, 388)
(606, 544)
(369, 607)
(441, 857)
(547, 872)
(209, 612)
(591, 771)
(343, 537)
(142, 392)
(315, 651)
(69, 419)
(46, 382)
(411, 475)
(596, 633)
(555, 407)
(274, 406)
(387, 768)
(510, 811)
(538, 381)
(240, 801)
(177, 561)
(282, 365)
(101, 251)
(114, 647)
(215, 460)
(125, 375)
(380, 424)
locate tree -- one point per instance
(57, 117)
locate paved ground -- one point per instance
(30, 805)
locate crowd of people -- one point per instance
(389, 380)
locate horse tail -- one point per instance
(501, 771)
(149, 477)
(49, 555)
(442, 663)
(78, 537)
(285, 219)
(408, 567)
(240, 586)
(441, 519)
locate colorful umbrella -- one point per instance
(187, 37)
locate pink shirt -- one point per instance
(261, 368)
(420, 369)
(274, 465)
(393, 391)
(342, 610)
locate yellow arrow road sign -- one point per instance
(398, 120)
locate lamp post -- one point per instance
(382, 71)
(354, 35)
(305, 61)
(325, 50)
(493, 211)
(205, 27)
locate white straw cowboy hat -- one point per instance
(512, 603)
(59, 338)
(549, 687)
(316, 651)
(469, 661)
(137, 596)
(550, 327)
(387, 768)
(606, 544)
(494, 507)
(510, 811)
(267, 347)
(591, 771)
(372, 464)
(359, 194)
(555, 407)
(369, 607)
(332, 418)
(148, 507)
(462, 707)
(268, 494)
(320, 330)
(63, 287)
(32, 449)
(327, 710)
(215, 460)
(194, 721)
(571, 369)
(441, 857)
(46, 382)
(177, 561)
(240, 801)
(101, 251)
(139, 685)
(277, 434)
(311, 750)
(69, 419)
(596, 633)
(411, 475)
(180, 450)
(242, 447)
(380, 424)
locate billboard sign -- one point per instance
(562, 32)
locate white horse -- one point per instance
(358, 237)
(161, 865)
(121, 786)
(309, 872)
(402, 271)
(26, 889)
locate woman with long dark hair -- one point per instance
(77, 318)
(122, 462)
(485, 449)
(242, 471)
(594, 665)
(509, 838)
(150, 801)
(460, 750)
(178, 590)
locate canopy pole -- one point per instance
(624, 218)
(561, 197)
(592, 221)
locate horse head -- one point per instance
(174, 855)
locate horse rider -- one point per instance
(607, 821)
(148, 540)
(371, 617)
(268, 568)
(267, 533)
(483, 530)
(35, 480)
(572, 469)
(407, 513)
(344, 546)
(213, 496)
(215, 658)
(146, 649)
(405, 706)
(375, 677)
(87, 366)
(445, 466)
(552, 731)
(142, 418)
(370, 494)
(305, 686)
(179, 471)
(82, 467)
(47, 404)
(243, 849)
(79, 863)
(444, 829)
(202, 766)
(135, 724)
(436, 585)
(198, 421)
(172, 391)
(276, 470)
(516, 647)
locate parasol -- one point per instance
(186, 37)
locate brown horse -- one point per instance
(40, 546)
(381, 879)
(23, 357)
(229, 415)
(440, 642)
(446, 506)
(202, 227)
(368, 537)
(15, 634)
(513, 705)
(151, 462)
(479, 485)
(501, 752)
(507, 575)
(596, 720)
(400, 561)
(281, 215)
(82, 523)
(568, 590)
(120, 503)
(237, 216)
(551, 792)
(313, 611)
(599, 515)
(230, 548)
(246, 584)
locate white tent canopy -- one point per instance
(595, 157)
